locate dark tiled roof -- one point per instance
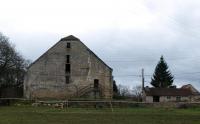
(167, 92)
(70, 37)
(190, 87)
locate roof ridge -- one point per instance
(70, 37)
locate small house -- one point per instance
(186, 93)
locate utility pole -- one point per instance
(142, 79)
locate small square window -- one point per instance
(168, 97)
(178, 98)
(68, 45)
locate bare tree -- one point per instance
(124, 91)
(137, 92)
(12, 64)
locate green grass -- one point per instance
(44, 115)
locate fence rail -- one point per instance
(94, 101)
(97, 103)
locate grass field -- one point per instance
(44, 115)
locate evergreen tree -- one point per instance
(115, 88)
(162, 76)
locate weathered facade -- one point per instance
(186, 93)
(68, 70)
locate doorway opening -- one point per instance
(96, 83)
(156, 99)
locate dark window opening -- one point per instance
(67, 68)
(168, 97)
(178, 98)
(67, 79)
(68, 45)
(96, 83)
(68, 58)
(156, 99)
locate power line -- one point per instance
(149, 75)
(190, 73)
(148, 60)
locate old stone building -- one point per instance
(67, 70)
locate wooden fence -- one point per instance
(11, 92)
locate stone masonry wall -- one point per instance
(46, 77)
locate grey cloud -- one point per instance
(127, 51)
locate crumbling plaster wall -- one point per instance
(46, 77)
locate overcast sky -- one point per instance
(127, 34)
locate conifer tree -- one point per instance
(115, 88)
(162, 77)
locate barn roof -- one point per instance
(168, 92)
(70, 37)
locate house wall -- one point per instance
(196, 98)
(46, 77)
(149, 99)
(173, 99)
